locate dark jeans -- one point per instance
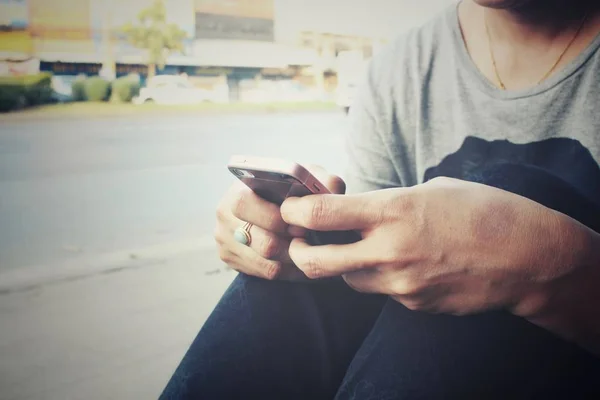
(279, 340)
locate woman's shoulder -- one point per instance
(397, 71)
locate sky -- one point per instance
(372, 18)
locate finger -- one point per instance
(330, 260)
(269, 245)
(296, 231)
(245, 260)
(331, 212)
(335, 184)
(370, 280)
(249, 207)
(286, 272)
(254, 264)
(248, 261)
(264, 244)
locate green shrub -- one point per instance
(20, 91)
(39, 91)
(96, 89)
(11, 97)
(77, 89)
(125, 89)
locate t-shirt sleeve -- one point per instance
(369, 165)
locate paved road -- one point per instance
(105, 227)
(72, 189)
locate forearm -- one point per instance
(570, 306)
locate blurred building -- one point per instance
(245, 44)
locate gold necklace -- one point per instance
(489, 38)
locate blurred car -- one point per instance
(344, 95)
(351, 69)
(62, 91)
(171, 90)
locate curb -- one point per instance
(32, 277)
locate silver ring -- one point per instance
(242, 234)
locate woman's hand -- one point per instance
(267, 255)
(447, 246)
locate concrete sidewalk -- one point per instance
(117, 333)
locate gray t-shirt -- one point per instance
(425, 109)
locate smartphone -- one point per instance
(275, 180)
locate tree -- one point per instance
(153, 34)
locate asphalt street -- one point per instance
(108, 268)
(72, 190)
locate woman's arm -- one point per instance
(570, 307)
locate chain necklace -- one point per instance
(489, 37)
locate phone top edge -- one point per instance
(276, 165)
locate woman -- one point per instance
(481, 286)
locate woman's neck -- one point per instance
(547, 34)
(537, 22)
